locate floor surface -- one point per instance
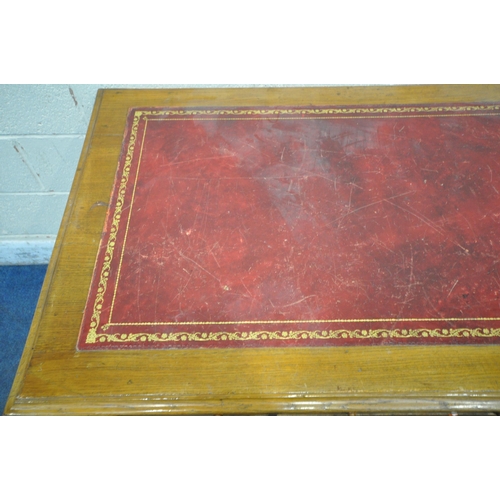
(19, 290)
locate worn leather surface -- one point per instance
(304, 226)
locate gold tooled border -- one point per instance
(374, 112)
(322, 111)
(108, 256)
(300, 335)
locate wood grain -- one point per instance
(53, 378)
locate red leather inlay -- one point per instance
(242, 228)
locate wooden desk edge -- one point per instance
(257, 405)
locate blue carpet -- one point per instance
(20, 287)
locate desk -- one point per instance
(265, 377)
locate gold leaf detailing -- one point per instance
(417, 333)
(320, 111)
(108, 256)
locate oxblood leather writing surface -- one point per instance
(282, 227)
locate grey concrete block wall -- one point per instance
(41, 135)
(42, 130)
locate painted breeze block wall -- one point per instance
(42, 129)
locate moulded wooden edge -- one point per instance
(366, 404)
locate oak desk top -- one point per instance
(381, 376)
